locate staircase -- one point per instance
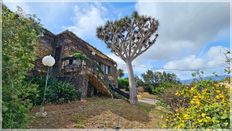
(94, 68)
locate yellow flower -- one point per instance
(203, 114)
(217, 97)
(181, 125)
(223, 100)
(206, 120)
(218, 91)
(197, 102)
(186, 116)
(177, 93)
(199, 120)
(192, 102)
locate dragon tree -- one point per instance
(128, 38)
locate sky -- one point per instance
(192, 36)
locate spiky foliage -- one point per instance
(130, 36)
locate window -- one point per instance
(107, 69)
(70, 61)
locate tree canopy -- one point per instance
(130, 36)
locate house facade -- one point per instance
(96, 75)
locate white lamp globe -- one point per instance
(48, 61)
(93, 53)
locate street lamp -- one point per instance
(93, 53)
(47, 61)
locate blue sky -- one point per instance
(191, 35)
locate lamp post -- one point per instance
(47, 61)
(93, 53)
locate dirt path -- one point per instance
(99, 113)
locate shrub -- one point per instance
(19, 35)
(57, 91)
(169, 97)
(208, 107)
(160, 88)
(157, 82)
(123, 83)
(140, 89)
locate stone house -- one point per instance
(96, 75)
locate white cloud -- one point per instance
(213, 58)
(216, 55)
(87, 19)
(184, 27)
(187, 63)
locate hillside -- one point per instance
(99, 113)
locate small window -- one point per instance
(70, 61)
(103, 68)
(107, 69)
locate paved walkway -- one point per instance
(149, 101)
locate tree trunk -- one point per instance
(132, 84)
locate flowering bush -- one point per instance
(208, 107)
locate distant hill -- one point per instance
(215, 78)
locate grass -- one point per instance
(99, 113)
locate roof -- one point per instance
(90, 47)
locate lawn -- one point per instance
(99, 113)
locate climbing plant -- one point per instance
(19, 35)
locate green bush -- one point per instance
(157, 82)
(57, 91)
(160, 88)
(208, 106)
(19, 36)
(123, 83)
